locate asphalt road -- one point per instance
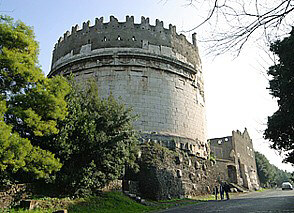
(268, 201)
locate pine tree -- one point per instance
(280, 126)
(30, 104)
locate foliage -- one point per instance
(108, 202)
(265, 170)
(153, 154)
(212, 157)
(95, 142)
(281, 176)
(270, 175)
(30, 103)
(280, 126)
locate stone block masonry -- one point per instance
(12, 194)
(152, 69)
(238, 153)
(166, 174)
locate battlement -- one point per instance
(125, 35)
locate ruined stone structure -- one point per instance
(158, 73)
(153, 69)
(236, 153)
(12, 194)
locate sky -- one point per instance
(235, 88)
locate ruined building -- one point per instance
(236, 155)
(153, 69)
(158, 73)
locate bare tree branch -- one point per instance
(240, 22)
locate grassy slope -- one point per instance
(107, 203)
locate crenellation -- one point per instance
(66, 35)
(159, 26)
(113, 21)
(98, 23)
(60, 40)
(74, 30)
(127, 34)
(86, 26)
(130, 21)
(182, 37)
(145, 23)
(194, 39)
(173, 29)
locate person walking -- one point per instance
(216, 192)
(221, 190)
(227, 189)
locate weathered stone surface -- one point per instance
(154, 70)
(189, 162)
(115, 185)
(178, 160)
(234, 190)
(158, 73)
(28, 204)
(204, 167)
(192, 176)
(238, 153)
(160, 178)
(197, 165)
(179, 173)
(13, 194)
(198, 176)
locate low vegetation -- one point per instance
(108, 202)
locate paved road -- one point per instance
(268, 201)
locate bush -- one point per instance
(96, 141)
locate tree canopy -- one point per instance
(265, 170)
(269, 175)
(280, 126)
(30, 103)
(96, 141)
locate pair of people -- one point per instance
(222, 189)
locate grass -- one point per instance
(262, 189)
(204, 197)
(107, 203)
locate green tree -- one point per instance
(270, 175)
(30, 103)
(280, 126)
(265, 170)
(96, 141)
(281, 176)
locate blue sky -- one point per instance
(51, 19)
(235, 90)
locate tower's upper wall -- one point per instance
(125, 34)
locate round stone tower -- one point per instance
(153, 69)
